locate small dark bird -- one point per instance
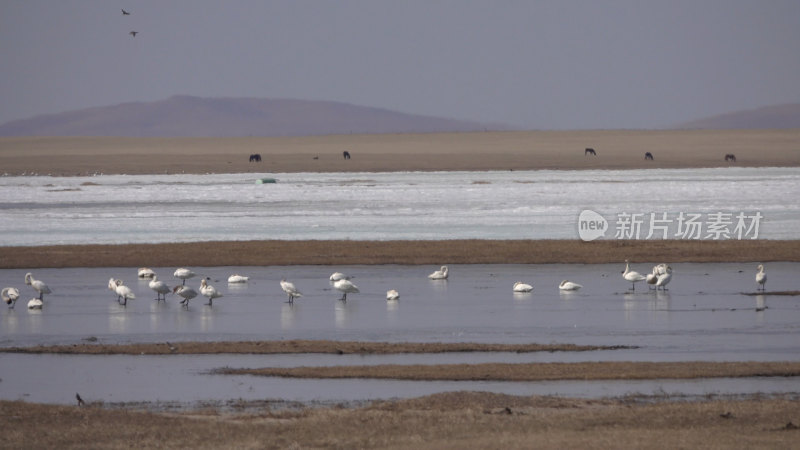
(133, 33)
(125, 13)
(80, 400)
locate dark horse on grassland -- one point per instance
(255, 157)
(648, 155)
(346, 154)
(730, 157)
(589, 151)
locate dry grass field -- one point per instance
(511, 150)
(457, 420)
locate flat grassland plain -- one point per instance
(451, 420)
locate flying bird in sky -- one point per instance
(133, 33)
(125, 13)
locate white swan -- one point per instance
(345, 287)
(35, 303)
(38, 285)
(519, 286)
(761, 277)
(567, 285)
(631, 275)
(146, 272)
(160, 287)
(665, 277)
(392, 294)
(336, 276)
(185, 292)
(236, 278)
(123, 292)
(651, 278)
(209, 291)
(184, 274)
(290, 289)
(440, 274)
(10, 296)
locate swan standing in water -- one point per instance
(184, 274)
(664, 276)
(185, 292)
(146, 272)
(123, 292)
(652, 278)
(38, 285)
(567, 285)
(519, 286)
(160, 287)
(761, 278)
(236, 278)
(440, 274)
(10, 296)
(209, 291)
(290, 289)
(336, 276)
(345, 287)
(392, 294)
(632, 276)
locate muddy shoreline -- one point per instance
(474, 251)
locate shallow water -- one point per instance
(703, 316)
(385, 206)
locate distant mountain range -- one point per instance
(777, 116)
(188, 116)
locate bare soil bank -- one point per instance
(462, 420)
(512, 150)
(621, 370)
(270, 253)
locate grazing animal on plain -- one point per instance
(761, 278)
(255, 157)
(648, 155)
(730, 157)
(346, 155)
(589, 151)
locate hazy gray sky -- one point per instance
(532, 64)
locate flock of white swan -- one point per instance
(658, 278)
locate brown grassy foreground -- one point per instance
(299, 346)
(621, 370)
(458, 420)
(474, 251)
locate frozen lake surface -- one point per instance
(385, 206)
(702, 317)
